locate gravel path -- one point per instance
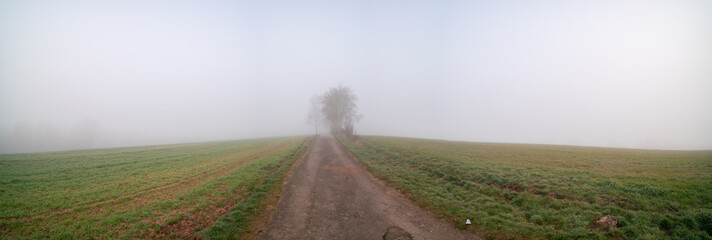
(329, 195)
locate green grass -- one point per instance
(168, 191)
(236, 222)
(552, 192)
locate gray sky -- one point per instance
(603, 73)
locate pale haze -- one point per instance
(632, 74)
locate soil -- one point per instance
(329, 195)
(143, 196)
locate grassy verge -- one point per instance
(553, 192)
(170, 191)
(236, 222)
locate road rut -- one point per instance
(329, 195)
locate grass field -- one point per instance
(170, 191)
(512, 191)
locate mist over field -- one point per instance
(85, 74)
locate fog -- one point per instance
(90, 74)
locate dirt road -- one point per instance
(328, 195)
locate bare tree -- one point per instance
(339, 109)
(314, 114)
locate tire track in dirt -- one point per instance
(140, 196)
(184, 229)
(330, 195)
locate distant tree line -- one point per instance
(44, 136)
(337, 107)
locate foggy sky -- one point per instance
(82, 74)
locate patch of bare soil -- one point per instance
(329, 195)
(185, 226)
(269, 206)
